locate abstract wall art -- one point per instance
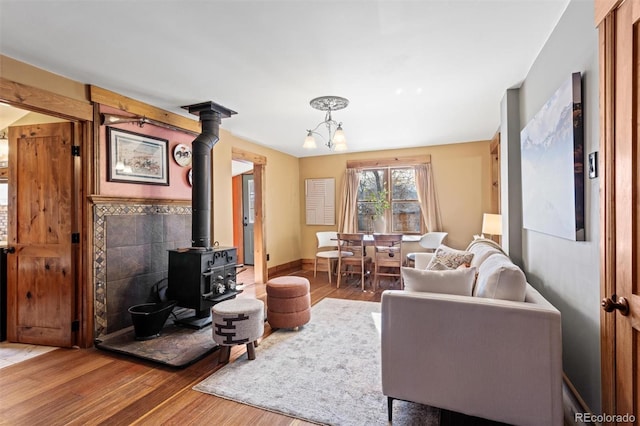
(552, 157)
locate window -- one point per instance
(396, 185)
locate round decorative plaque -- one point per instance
(182, 155)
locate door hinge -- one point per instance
(75, 325)
(75, 150)
(75, 238)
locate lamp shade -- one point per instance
(338, 136)
(492, 224)
(309, 142)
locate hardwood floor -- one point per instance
(90, 386)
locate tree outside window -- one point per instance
(398, 186)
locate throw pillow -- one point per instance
(499, 278)
(454, 281)
(437, 266)
(451, 258)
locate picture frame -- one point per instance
(137, 158)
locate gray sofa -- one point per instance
(477, 354)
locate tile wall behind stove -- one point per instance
(131, 258)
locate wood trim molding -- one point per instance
(260, 270)
(494, 147)
(123, 103)
(106, 199)
(389, 162)
(44, 101)
(240, 154)
(288, 267)
(602, 8)
(606, 47)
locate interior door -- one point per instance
(620, 105)
(248, 216)
(40, 273)
(628, 237)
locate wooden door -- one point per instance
(248, 217)
(620, 107)
(41, 276)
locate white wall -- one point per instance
(567, 272)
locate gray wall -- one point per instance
(511, 181)
(567, 272)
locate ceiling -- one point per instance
(415, 72)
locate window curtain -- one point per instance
(349, 215)
(427, 198)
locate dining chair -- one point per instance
(358, 259)
(430, 241)
(388, 255)
(327, 239)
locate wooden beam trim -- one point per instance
(260, 268)
(44, 101)
(389, 162)
(242, 155)
(106, 199)
(123, 103)
(602, 8)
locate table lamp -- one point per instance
(491, 224)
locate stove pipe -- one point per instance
(210, 116)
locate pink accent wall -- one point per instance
(178, 189)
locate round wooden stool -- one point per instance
(288, 302)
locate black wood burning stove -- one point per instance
(202, 275)
(199, 279)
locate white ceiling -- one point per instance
(416, 72)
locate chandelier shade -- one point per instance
(335, 139)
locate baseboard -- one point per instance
(573, 404)
(307, 265)
(292, 266)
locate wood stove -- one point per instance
(199, 279)
(204, 274)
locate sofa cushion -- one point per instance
(481, 253)
(499, 278)
(451, 258)
(482, 248)
(454, 281)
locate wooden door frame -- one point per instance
(607, 209)
(259, 230)
(81, 115)
(605, 21)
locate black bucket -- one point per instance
(149, 318)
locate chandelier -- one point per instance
(335, 140)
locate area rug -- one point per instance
(176, 346)
(328, 372)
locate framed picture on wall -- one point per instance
(552, 156)
(136, 158)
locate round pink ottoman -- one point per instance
(288, 302)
